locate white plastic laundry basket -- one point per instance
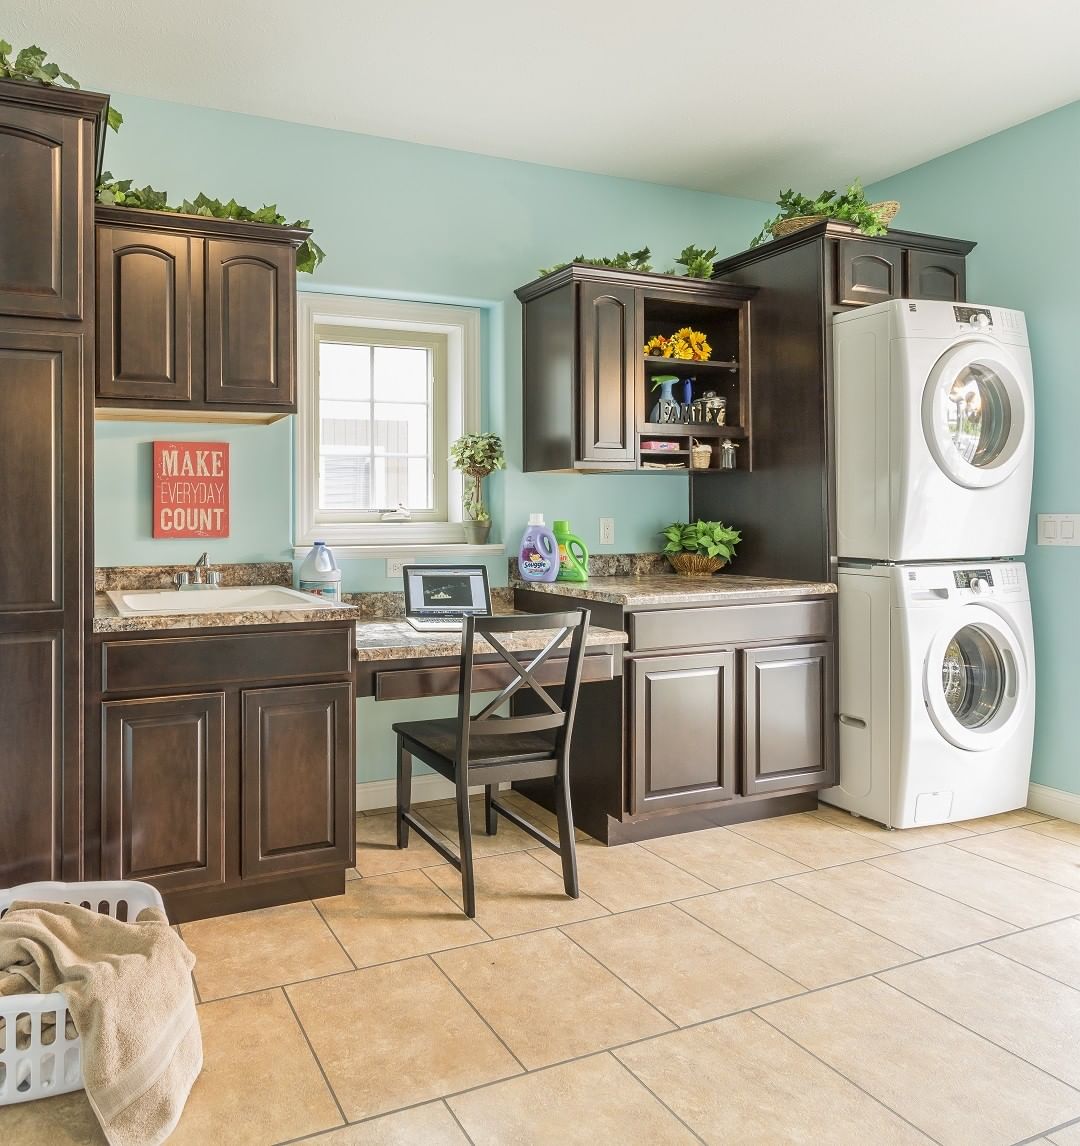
(30, 1067)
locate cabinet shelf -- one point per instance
(689, 430)
(684, 368)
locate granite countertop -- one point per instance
(674, 590)
(108, 620)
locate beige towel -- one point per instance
(128, 987)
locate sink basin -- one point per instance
(242, 599)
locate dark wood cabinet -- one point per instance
(609, 338)
(684, 748)
(789, 715)
(163, 791)
(868, 272)
(195, 314)
(935, 275)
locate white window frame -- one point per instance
(461, 327)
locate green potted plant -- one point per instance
(699, 548)
(476, 456)
(852, 206)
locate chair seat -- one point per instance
(440, 737)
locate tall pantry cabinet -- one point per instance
(49, 149)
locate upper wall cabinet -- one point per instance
(195, 315)
(897, 265)
(588, 386)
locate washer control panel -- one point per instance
(966, 578)
(977, 316)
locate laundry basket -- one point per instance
(30, 1067)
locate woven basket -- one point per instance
(885, 211)
(695, 564)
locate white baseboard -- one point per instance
(1054, 802)
(377, 794)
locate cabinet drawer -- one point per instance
(205, 661)
(729, 625)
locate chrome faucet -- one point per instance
(205, 577)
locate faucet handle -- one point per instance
(213, 577)
(181, 579)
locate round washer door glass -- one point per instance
(973, 677)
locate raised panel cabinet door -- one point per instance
(867, 272)
(789, 738)
(935, 275)
(683, 720)
(43, 158)
(296, 773)
(163, 791)
(149, 332)
(250, 323)
(610, 364)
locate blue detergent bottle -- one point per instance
(538, 557)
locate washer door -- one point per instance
(976, 679)
(975, 416)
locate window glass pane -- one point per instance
(344, 371)
(344, 481)
(402, 481)
(401, 429)
(402, 373)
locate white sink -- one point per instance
(242, 599)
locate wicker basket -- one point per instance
(695, 564)
(885, 211)
(700, 454)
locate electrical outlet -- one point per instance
(1059, 528)
(607, 531)
(393, 568)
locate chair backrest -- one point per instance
(556, 710)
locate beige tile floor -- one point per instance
(813, 979)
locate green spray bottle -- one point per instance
(573, 556)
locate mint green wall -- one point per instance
(1016, 193)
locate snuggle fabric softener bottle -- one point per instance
(538, 557)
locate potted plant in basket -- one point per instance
(851, 206)
(476, 456)
(699, 548)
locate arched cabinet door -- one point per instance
(250, 323)
(866, 272)
(44, 157)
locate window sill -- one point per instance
(403, 552)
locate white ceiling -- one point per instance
(736, 97)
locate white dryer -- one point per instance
(937, 692)
(934, 431)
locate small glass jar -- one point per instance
(727, 454)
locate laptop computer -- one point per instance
(439, 597)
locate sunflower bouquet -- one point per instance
(686, 344)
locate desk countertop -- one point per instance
(653, 589)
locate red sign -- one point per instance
(191, 489)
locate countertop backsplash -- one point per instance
(161, 576)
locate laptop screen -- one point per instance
(446, 591)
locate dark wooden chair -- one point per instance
(485, 749)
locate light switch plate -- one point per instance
(393, 568)
(1059, 528)
(607, 531)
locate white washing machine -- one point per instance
(934, 431)
(937, 691)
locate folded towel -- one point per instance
(128, 988)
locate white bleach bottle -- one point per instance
(320, 575)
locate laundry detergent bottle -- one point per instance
(320, 575)
(573, 556)
(538, 557)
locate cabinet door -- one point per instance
(296, 777)
(43, 160)
(866, 272)
(250, 323)
(163, 791)
(683, 719)
(931, 274)
(610, 364)
(149, 333)
(788, 719)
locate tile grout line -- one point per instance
(326, 924)
(1024, 871)
(1028, 966)
(649, 1090)
(460, 1125)
(315, 1056)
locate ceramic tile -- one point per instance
(624, 877)
(429, 1125)
(949, 1082)
(396, 916)
(811, 841)
(254, 950)
(1001, 891)
(1054, 950)
(67, 1120)
(1003, 820)
(594, 1100)
(443, 818)
(740, 1080)
(918, 919)
(397, 1035)
(687, 971)
(351, 873)
(903, 839)
(548, 999)
(1063, 830)
(721, 858)
(537, 815)
(1032, 852)
(514, 893)
(809, 943)
(1069, 1136)
(1021, 1010)
(377, 852)
(259, 1077)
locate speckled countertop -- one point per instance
(108, 620)
(674, 590)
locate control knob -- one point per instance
(978, 585)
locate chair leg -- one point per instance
(489, 810)
(567, 840)
(468, 885)
(404, 793)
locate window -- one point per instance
(385, 387)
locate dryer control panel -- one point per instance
(977, 316)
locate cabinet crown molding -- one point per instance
(175, 221)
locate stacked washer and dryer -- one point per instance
(934, 449)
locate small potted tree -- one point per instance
(699, 548)
(476, 456)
